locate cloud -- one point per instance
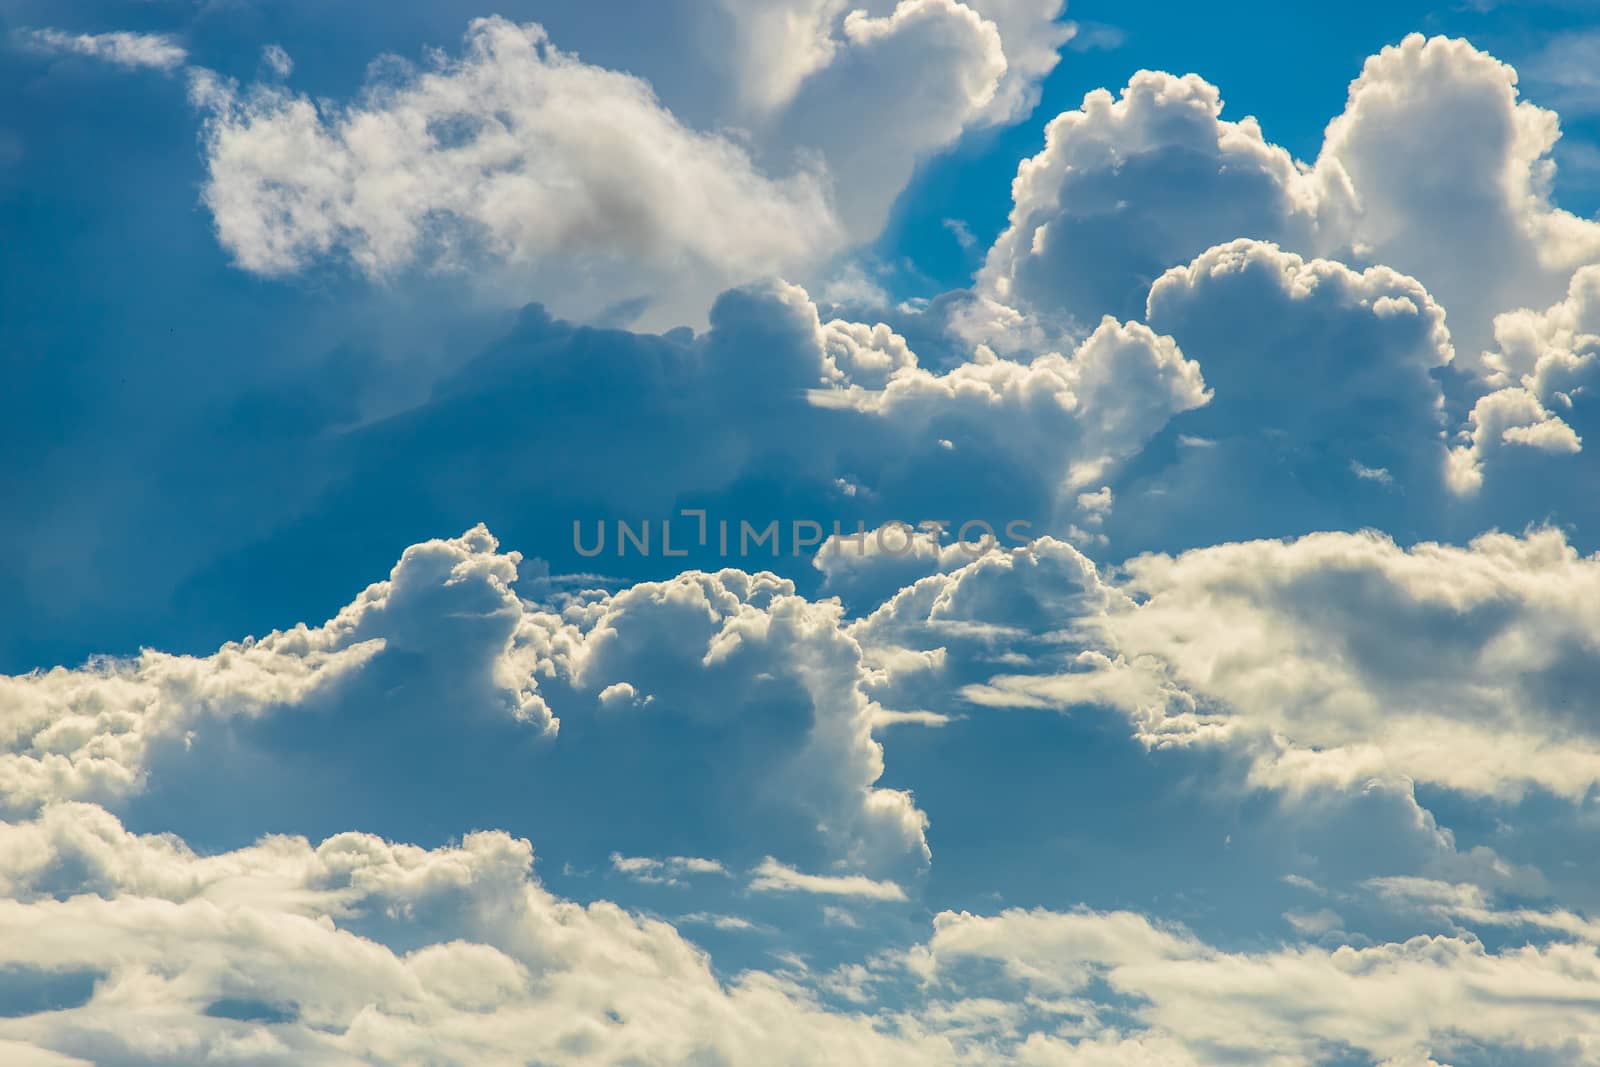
(934, 67)
(287, 952)
(154, 51)
(88, 733)
(1453, 175)
(358, 947)
(525, 167)
(669, 871)
(1317, 370)
(774, 877)
(1338, 658)
(1070, 418)
(1394, 1002)
(1434, 168)
(447, 648)
(1129, 186)
(1547, 364)
(830, 403)
(276, 60)
(790, 727)
(515, 149)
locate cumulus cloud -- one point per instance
(1435, 168)
(769, 682)
(1547, 365)
(1338, 658)
(1129, 186)
(1397, 1002)
(516, 149)
(1071, 418)
(155, 51)
(526, 166)
(358, 949)
(845, 413)
(935, 66)
(87, 733)
(1453, 173)
(769, 679)
(1318, 372)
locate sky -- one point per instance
(770, 532)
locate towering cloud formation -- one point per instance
(1435, 168)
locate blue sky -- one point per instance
(1263, 339)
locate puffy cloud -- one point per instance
(517, 149)
(1397, 1002)
(1453, 175)
(1547, 364)
(976, 620)
(1033, 33)
(362, 949)
(1319, 373)
(88, 733)
(359, 949)
(1435, 168)
(1070, 418)
(934, 67)
(768, 680)
(1338, 658)
(870, 566)
(1129, 186)
(155, 51)
(532, 168)
(780, 44)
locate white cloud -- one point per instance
(575, 178)
(1435, 168)
(154, 51)
(1397, 1002)
(365, 950)
(669, 871)
(362, 949)
(1453, 176)
(738, 651)
(1129, 186)
(277, 60)
(87, 733)
(774, 877)
(897, 87)
(1339, 658)
(742, 651)
(534, 170)
(1072, 417)
(1547, 365)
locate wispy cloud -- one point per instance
(774, 877)
(1566, 73)
(155, 51)
(669, 871)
